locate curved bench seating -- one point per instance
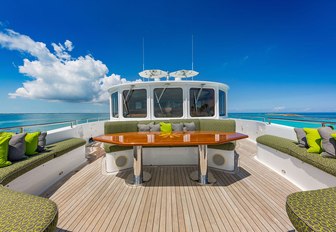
(291, 148)
(9, 173)
(220, 156)
(308, 171)
(25, 212)
(313, 210)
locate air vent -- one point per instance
(121, 161)
(218, 159)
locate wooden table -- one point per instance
(200, 138)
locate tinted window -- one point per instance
(168, 102)
(115, 105)
(135, 103)
(202, 102)
(222, 103)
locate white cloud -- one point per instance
(56, 75)
(278, 108)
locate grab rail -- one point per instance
(71, 123)
(269, 120)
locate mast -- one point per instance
(143, 55)
(192, 54)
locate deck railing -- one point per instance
(269, 120)
(52, 125)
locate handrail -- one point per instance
(71, 122)
(270, 119)
(301, 120)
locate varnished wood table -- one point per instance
(191, 138)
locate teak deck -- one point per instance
(252, 200)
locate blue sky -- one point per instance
(274, 55)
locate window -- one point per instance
(114, 106)
(202, 102)
(222, 103)
(135, 103)
(168, 102)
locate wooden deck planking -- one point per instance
(252, 200)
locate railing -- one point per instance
(52, 125)
(325, 122)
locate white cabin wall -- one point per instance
(84, 131)
(254, 129)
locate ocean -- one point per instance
(19, 120)
(288, 119)
(300, 120)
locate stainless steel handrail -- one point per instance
(323, 123)
(270, 119)
(71, 122)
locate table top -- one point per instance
(171, 139)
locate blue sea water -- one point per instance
(288, 119)
(17, 120)
(312, 120)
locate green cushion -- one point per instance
(166, 127)
(108, 147)
(230, 146)
(313, 210)
(291, 148)
(333, 135)
(31, 143)
(4, 142)
(314, 140)
(63, 147)
(217, 125)
(7, 174)
(24, 212)
(119, 127)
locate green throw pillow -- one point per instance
(314, 140)
(166, 127)
(4, 142)
(5, 133)
(334, 136)
(31, 143)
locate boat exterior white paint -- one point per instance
(156, 156)
(303, 175)
(254, 129)
(151, 85)
(39, 179)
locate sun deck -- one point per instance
(252, 200)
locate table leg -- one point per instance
(202, 175)
(139, 176)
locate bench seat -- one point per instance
(291, 148)
(11, 172)
(312, 210)
(25, 212)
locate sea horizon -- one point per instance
(294, 119)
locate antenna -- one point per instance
(143, 55)
(192, 54)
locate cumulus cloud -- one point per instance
(56, 75)
(278, 108)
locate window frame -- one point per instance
(215, 90)
(154, 101)
(116, 93)
(224, 102)
(122, 103)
